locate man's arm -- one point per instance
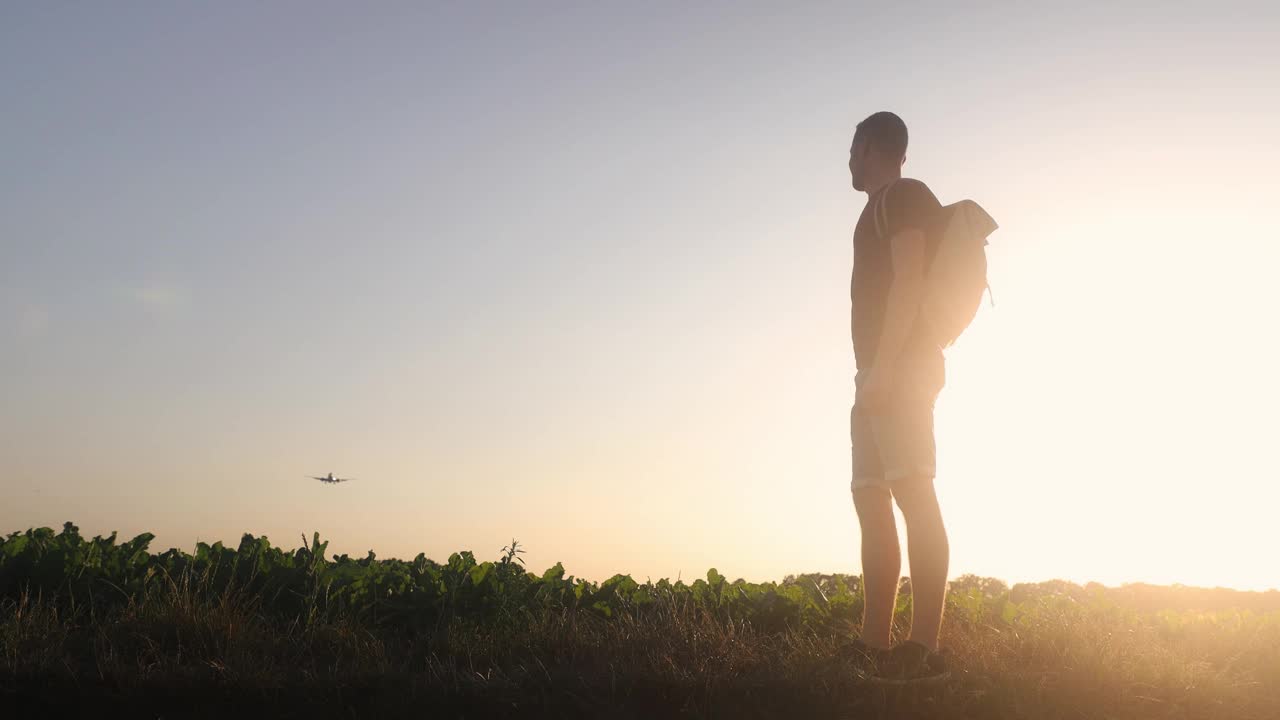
(906, 250)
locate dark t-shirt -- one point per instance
(911, 204)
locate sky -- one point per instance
(578, 275)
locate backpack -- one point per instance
(956, 274)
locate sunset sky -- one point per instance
(578, 274)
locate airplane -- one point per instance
(330, 478)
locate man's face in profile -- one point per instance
(857, 164)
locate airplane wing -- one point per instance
(343, 479)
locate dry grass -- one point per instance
(177, 653)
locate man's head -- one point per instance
(879, 149)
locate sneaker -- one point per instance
(861, 657)
(911, 663)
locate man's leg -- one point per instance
(929, 554)
(881, 562)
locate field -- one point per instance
(98, 626)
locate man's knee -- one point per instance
(874, 504)
(916, 498)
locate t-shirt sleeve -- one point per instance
(911, 204)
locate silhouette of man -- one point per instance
(899, 375)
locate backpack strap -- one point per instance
(881, 211)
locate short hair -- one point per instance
(885, 132)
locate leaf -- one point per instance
(1010, 612)
(623, 585)
(480, 572)
(555, 572)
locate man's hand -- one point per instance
(873, 393)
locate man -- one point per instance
(899, 374)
